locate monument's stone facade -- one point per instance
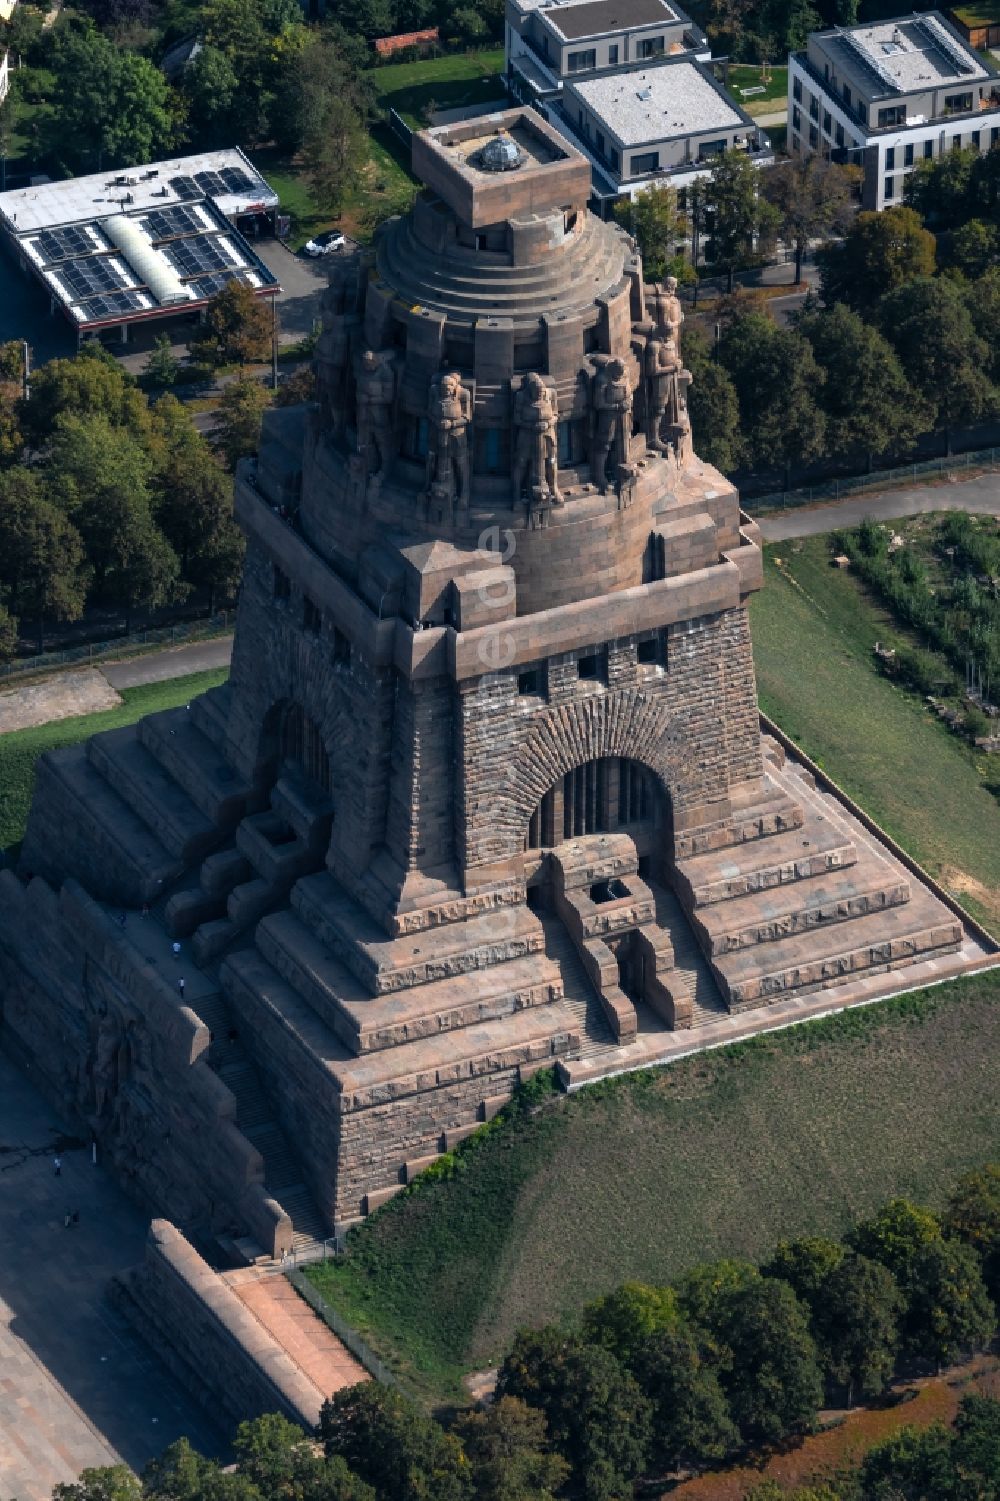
(486, 789)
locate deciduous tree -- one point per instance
(740, 212)
(900, 1229)
(878, 254)
(507, 1448)
(42, 569)
(657, 223)
(241, 412)
(778, 384)
(691, 1419)
(713, 405)
(621, 1320)
(930, 327)
(193, 502)
(236, 328)
(949, 1312)
(393, 1445)
(857, 1326)
(973, 1216)
(814, 198)
(772, 1380)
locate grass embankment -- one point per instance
(415, 89)
(814, 630)
(20, 750)
(641, 1177)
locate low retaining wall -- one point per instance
(198, 1325)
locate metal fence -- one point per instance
(876, 480)
(96, 651)
(344, 1331)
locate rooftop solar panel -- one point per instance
(185, 188)
(111, 305)
(207, 286)
(196, 255)
(237, 181)
(211, 184)
(86, 278)
(165, 223)
(63, 244)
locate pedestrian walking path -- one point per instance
(77, 1388)
(980, 495)
(315, 1349)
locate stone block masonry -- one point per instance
(486, 789)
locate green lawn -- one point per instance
(981, 13)
(440, 82)
(748, 75)
(20, 750)
(641, 1177)
(814, 628)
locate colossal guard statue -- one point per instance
(485, 774)
(535, 468)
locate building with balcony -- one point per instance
(889, 95)
(551, 41)
(650, 124)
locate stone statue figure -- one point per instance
(450, 412)
(668, 312)
(660, 370)
(536, 450)
(612, 421)
(375, 392)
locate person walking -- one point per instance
(57, 1166)
(175, 949)
(180, 987)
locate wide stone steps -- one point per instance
(691, 977)
(210, 713)
(390, 964)
(253, 1108)
(580, 1000)
(825, 956)
(187, 754)
(366, 1022)
(134, 844)
(762, 864)
(281, 1165)
(308, 1225)
(869, 885)
(152, 794)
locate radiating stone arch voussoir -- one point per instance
(627, 724)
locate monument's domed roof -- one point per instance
(500, 154)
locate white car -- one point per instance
(325, 244)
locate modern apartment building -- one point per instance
(551, 41)
(889, 95)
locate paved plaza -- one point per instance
(77, 1388)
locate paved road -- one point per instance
(177, 662)
(981, 495)
(77, 1388)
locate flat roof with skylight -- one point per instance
(904, 56)
(117, 248)
(656, 104)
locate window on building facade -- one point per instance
(710, 148)
(847, 94)
(890, 158)
(908, 155)
(888, 188)
(796, 143)
(599, 140)
(813, 136)
(995, 135)
(796, 118)
(579, 62)
(614, 159)
(956, 142)
(813, 107)
(589, 668)
(827, 122)
(977, 136)
(613, 55)
(928, 150)
(531, 682)
(958, 103)
(894, 115)
(797, 90)
(646, 161)
(651, 46)
(838, 135)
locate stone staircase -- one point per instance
(257, 1120)
(581, 1000)
(691, 976)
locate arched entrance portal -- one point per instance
(290, 737)
(600, 797)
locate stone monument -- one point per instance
(486, 790)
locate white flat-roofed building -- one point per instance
(660, 124)
(119, 248)
(551, 41)
(886, 96)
